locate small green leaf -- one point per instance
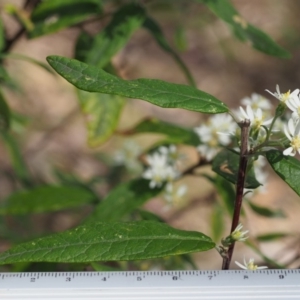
(270, 237)
(45, 199)
(123, 200)
(226, 192)
(287, 167)
(266, 212)
(164, 94)
(83, 45)
(109, 242)
(175, 133)
(180, 38)
(53, 15)
(244, 31)
(115, 35)
(157, 33)
(217, 222)
(4, 77)
(18, 163)
(102, 113)
(4, 113)
(226, 164)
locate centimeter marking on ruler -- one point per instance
(232, 284)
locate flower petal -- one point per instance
(240, 265)
(288, 151)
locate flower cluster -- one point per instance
(292, 129)
(163, 168)
(262, 124)
(216, 132)
(257, 111)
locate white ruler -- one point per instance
(167, 285)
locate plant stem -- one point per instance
(29, 6)
(245, 124)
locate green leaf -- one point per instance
(264, 43)
(109, 242)
(217, 222)
(175, 133)
(226, 192)
(53, 15)
(226, 164)
(180, 39)
(157, 33)
(4, 113)
(124, 199)
(4, 77)
(244, 31)
(83, 45)
(164, 94)
(115, 35)
(45, 199)
(18, 163)
(266, 212)
(287, 167)
(270, 237)
(102, 113)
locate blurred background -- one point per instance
(50, 128)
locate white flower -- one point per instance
(217, 131)
(256, 117)
(171, 173)
(285, 96)
(172, 154)
(172, 150)
(159, 170)
(293, 134)
(294, 105)
(128, 156)
(250, 265)
(208, 152)
(260, 175)
(174, 195)
(257, 101)
(238, 235)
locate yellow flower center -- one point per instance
(285, 96)
(295, 143)
(236, 235)
(251, 266)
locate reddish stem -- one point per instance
(239, 187)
